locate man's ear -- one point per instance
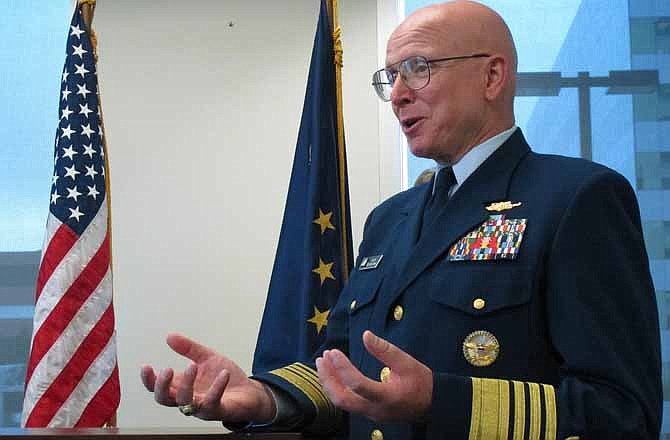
(497, 71)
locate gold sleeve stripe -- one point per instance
(300, 383)
(503, 409)
(490, 401)
(499, 413)
(306, 380)
(535, 408)
(312, 377)
(519, 410)
(550, 409)
(476, 415)
(490, 409)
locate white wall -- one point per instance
(201, 120)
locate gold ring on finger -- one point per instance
(188, 409)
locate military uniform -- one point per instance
(529, 298)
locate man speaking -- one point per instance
(508, 298)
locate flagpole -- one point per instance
(332, 6)
(87, 12)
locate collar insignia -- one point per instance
(502, 206)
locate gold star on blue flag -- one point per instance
(320, 319)
(323, 220)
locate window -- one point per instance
(32, 39)
(650, 35)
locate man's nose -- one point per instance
(400, 93)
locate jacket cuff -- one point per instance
(301, 382)
(449, 415)
(487, 409)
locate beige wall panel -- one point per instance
(202, 101)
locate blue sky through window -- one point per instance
(32, 51)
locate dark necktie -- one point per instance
(444, 180)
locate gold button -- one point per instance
(352, 306)
(397, 313)
(377, 435)
(479, 304)
(385, 374)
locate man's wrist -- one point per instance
(427, 403)
(287, 414)
(268, 412)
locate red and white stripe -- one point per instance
(72, 378)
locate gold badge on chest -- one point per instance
(502, 206)
(481, 348)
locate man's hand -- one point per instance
(215, 385)
(406, 396)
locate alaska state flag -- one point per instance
(309, 269)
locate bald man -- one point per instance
(508, 298)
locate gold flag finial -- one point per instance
(337, 46)
(87, 11)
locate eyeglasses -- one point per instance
(414, 72)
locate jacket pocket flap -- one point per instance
(479, 291)
(364, 294)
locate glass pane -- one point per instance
(32, 47)
(624, 122)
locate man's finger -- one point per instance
(353, 379)
(387, 353)
(339, 394)
(162, 388)
(148, 377)
(211, 403)
(184, 394)
(188, 347)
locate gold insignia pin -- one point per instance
(502, 206)
(481, 348)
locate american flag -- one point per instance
(72, 377)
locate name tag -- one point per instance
(368, 263)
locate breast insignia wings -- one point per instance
(502, 206)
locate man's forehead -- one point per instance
(423, 39)
(454, 28)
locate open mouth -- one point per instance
(408, 123)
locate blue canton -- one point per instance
(78, 186)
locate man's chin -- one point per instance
(420, 150)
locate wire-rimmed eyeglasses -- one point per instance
(414, 72)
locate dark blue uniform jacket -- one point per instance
(573, 314)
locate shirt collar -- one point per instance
(475, 157)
